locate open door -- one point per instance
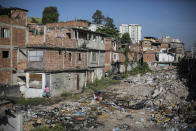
(78, 81)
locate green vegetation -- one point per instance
(50, 15)
(108, 28)
(125, 39)
(109, 22)
(126, 52)
(101, 84)
(98, 17)
(30, 101)
(109, 31)
(45, 128)
(140, 69)
(34, 20)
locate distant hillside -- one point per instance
(34, 20)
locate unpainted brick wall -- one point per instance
(54, 60)
(5, 77)
(19, 37)
(4, 62)
(18, 17)
(35, 39)
(69, 23)
(4, 41)
(59, 38)
(148, 57)
(108, 44)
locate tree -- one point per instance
(110, 32)
(33, 20)
(125, 39)
(109, 22)
(98, 17)
(50, 15)
(126, 52)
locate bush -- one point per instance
(66, 94)
(140, 69)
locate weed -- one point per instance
(30, 101)
(140, 69)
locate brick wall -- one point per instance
(59, 60)
(108, 44)
(19, 37)
(5, 77)
(149, 57)
(4, 62)
(59, 38)
(18, 17)
(107, 61)
(69, 23)
(35, 39)
(164, 45)
(4, 41)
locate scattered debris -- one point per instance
(152, 101)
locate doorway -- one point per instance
(78, 82)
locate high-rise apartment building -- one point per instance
(134, 30)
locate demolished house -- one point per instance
(161, 52)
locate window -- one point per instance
(69, 56)
(5, 54)
(76, 36)
(69, 35)
(79, 57)
(36, 55)
(102, 39)
(94, 57)
(89, 37)
(115, 56)
(4, 32)
(94, 37)
(35, 81)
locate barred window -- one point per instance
(4, 32)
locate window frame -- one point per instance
(38, 57)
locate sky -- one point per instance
(174, 18)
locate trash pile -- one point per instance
(138, 102)
(164, 96)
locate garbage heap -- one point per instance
(163, 95)
(160, 94)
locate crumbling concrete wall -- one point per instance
(9, 91)
(61, 82)
(98, 61)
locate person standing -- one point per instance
(47, 91)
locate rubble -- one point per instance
(152, 101)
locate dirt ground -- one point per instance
(152, 102)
